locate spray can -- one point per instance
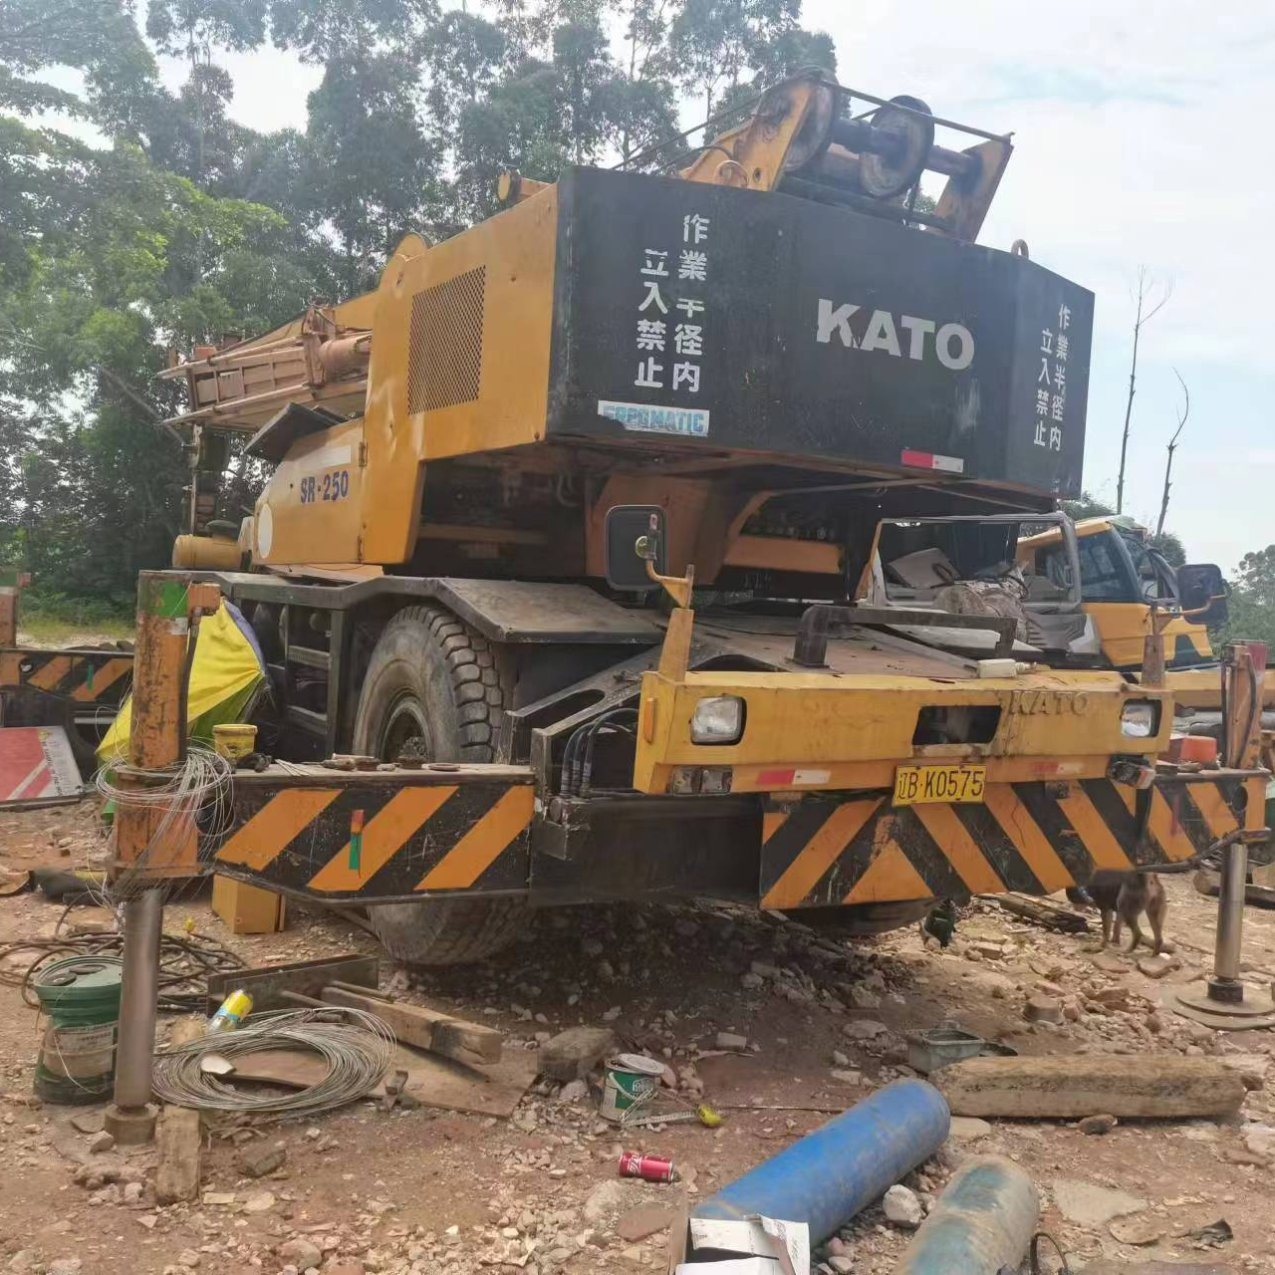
(232, 1011)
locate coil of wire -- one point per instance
(356, 1046)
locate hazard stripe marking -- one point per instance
(404, 815)
(1166, 827)
(275, 826)
(821, 851)
(101, 680)
(925, 851)
(890, 876)
(1001, 852)
(1103, 847)
(48, 676)
(1058, 831)
(1214, 808)
(1117, 806)
(790, 838)
(1023, 830)
(951, 837)
(932, 865)
(771, 822)
(479, 848)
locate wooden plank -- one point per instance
(433, 1082)
(425, 1028)
(1043, 912)
(179, 1140)
(1070, 1087)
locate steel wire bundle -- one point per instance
(357, 1046)
(185, 962)
(197, 789)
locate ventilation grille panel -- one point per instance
(445, 343)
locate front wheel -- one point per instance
(434, 690)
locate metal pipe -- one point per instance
(143, 924)
(952, 163)
(1230, 916)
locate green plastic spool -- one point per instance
(81, 997)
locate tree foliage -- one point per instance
(178, 225)
(1251, 605)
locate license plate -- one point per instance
(915, 785)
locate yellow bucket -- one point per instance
(234, 740)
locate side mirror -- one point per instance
(634, 536)
(1202, 589)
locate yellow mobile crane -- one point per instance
(566, 525)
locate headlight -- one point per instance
(1139, 719)
(718, 720)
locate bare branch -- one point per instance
(1171, 448)
(1144, 311)
(1186, 409)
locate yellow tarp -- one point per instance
(224, 676)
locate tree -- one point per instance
(372, 171)
(1086, 506)
(188, 225)
(1251, 605)
(718, 43)
(1146, 308)
(1171, 448)
(98, 37)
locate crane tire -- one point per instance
(431, 679)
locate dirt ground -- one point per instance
(426, 1191)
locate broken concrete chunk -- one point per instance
(1088, 1204)
(638, 1223)
(1159, 966)
(258, 1159)
(1043, 1009)
(967, 1128)
(301, 1253)
(864, 1029)
(572, 1054)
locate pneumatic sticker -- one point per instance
(649, 418)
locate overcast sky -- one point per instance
(1143, 135)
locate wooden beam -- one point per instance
(1070, 1087)
(425, 1028)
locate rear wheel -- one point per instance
(434, 690)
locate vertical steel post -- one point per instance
(143, 925)
(1225, 985)
(165, 604)
(1243, 666)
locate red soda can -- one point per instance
(650, 1168)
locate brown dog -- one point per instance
(1121, 897)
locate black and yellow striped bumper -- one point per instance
(393, 835)
(81, 677)
(1032, 837)
(381, 835)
